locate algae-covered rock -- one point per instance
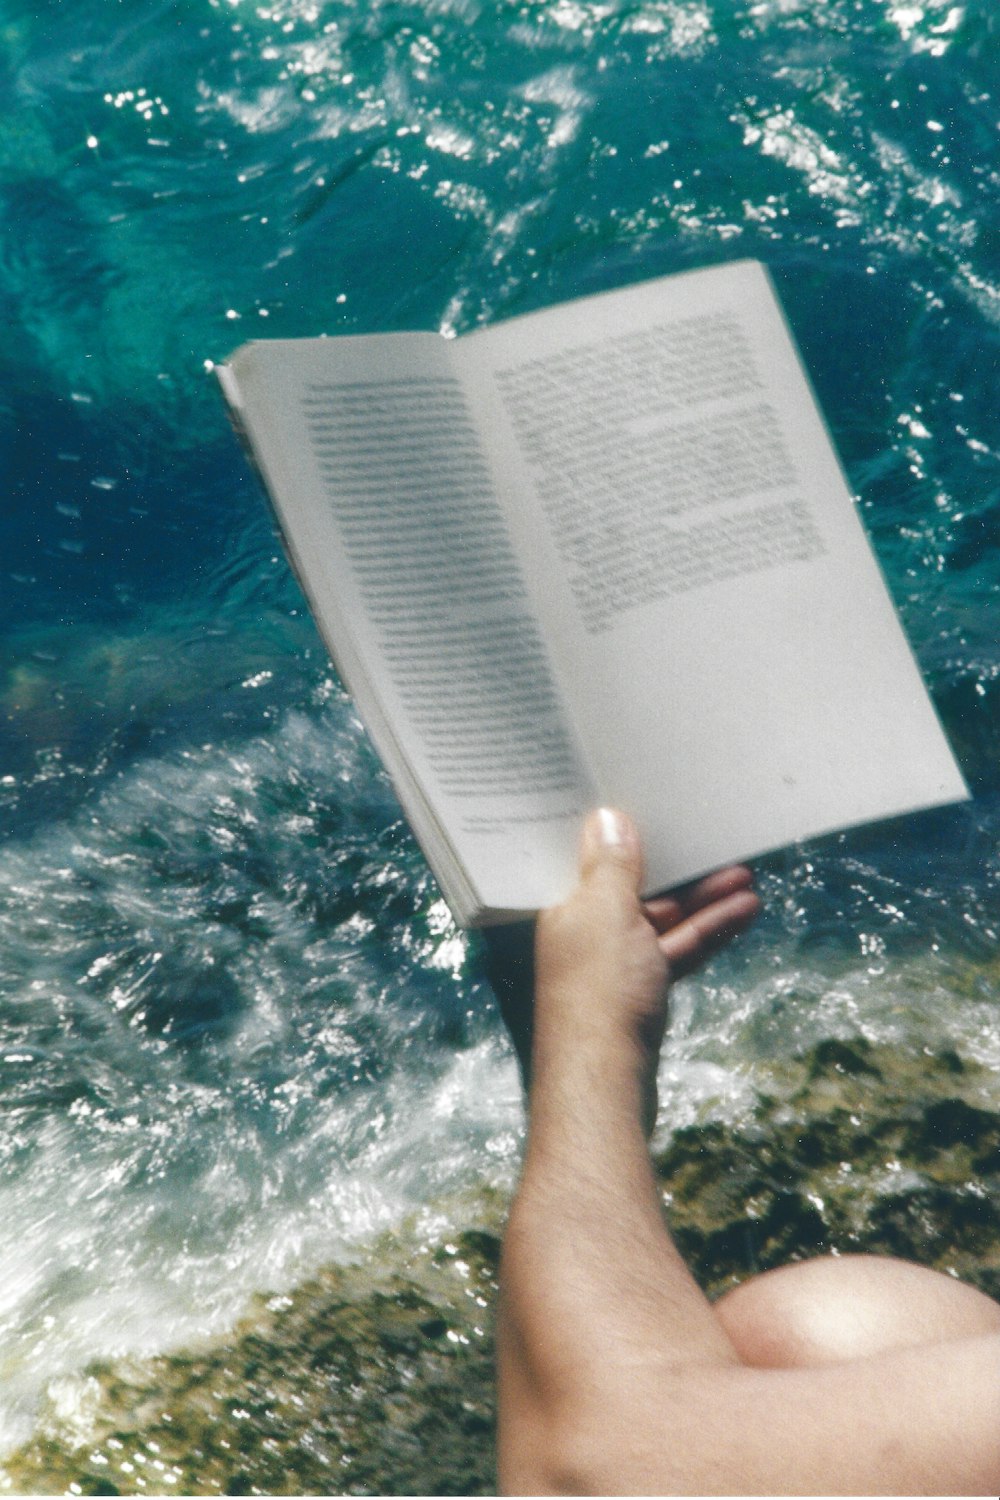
(856, 1148)
(361, 1382)
(378, 1379)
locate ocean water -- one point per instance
(239, 1036)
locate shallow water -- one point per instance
(239, 1034)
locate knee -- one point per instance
(832, 1309)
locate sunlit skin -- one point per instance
(857, 1375)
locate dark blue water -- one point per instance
(238, 1033)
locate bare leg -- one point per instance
(832, 1309)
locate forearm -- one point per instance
(604, 1338)
(597, 1304)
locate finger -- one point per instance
(610, 848)
(704, 931)
(666, 911)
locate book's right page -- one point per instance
(723, 635)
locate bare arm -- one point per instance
(616, 1374)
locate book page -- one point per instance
(728, 647)
(404, 550)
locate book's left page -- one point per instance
(392, 522)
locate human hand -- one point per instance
(603, 957)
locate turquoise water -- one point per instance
(238, 1033)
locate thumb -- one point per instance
(610, 847)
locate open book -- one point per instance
(601, 553)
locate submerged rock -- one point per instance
(378, 1379)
